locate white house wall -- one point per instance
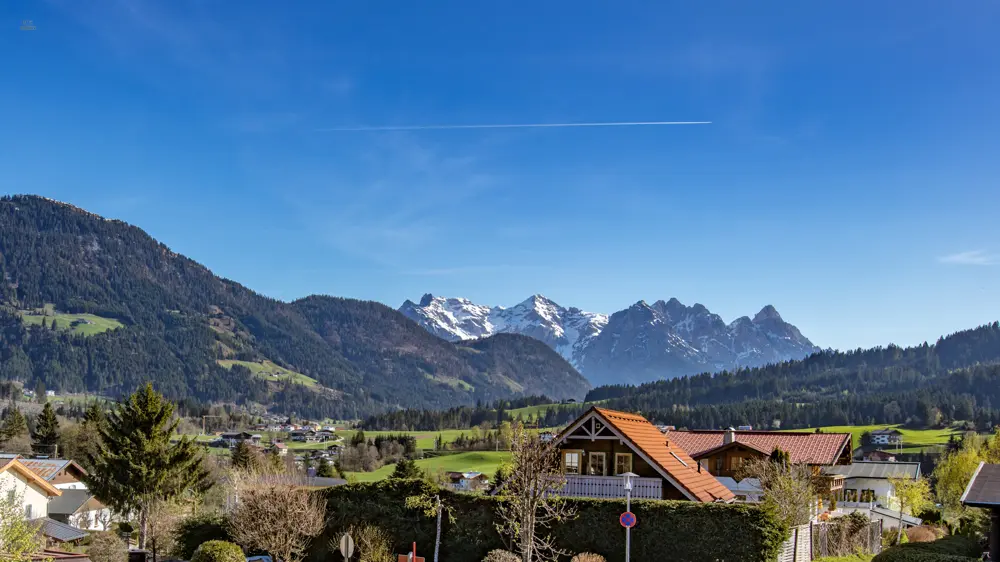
(31, 494)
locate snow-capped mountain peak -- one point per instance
(643, 342)
(567, 330)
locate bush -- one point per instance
(372, 543)
(923, 533)
(107, 547)
(948, 549)
(218, 551)
(588, 557)
(719, 532)
(501, 556)
(194, 531)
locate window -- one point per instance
(11, 496)
(704, 464)
(623, 463)
(597, 465)
(571, 462)
(867, 496)
(735, 462)
(718, 464)
(27, 511)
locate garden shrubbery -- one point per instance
(686, 531)
(948, 549)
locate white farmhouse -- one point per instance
(19, 481)
(867, 489)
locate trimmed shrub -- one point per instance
(194, 531)
(218, 551)
(107, 547)
(948, 549)
(719, 532)
(588, 557)
(501, 556)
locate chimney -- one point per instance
(729, 436)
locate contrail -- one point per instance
(513, 126)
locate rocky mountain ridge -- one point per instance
(644, 342)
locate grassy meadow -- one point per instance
(88, 324)
(913, 439)
(472, 461)
(270, 371)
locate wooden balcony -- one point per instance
(612, 487)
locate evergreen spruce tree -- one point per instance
(406, 468)
(13, 425)
(325, 469)
(95, 414)
(274, 462)
(40, 395)
(137, 465)
(46, 435)
(244, 457)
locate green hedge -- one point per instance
(947, 549)
(675, 530)
(194, 531)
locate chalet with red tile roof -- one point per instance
(721, 452)
(601, 445)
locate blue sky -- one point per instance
(849, 177)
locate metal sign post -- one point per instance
(628, 519)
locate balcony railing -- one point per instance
(612, 487)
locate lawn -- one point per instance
(473, 461)
(913, 439)
(270, 371)
(87, 324)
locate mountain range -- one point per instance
(644, 342)
(89, 304)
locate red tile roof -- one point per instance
(804, 447)
(49, 468)
(670, 458)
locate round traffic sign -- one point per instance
(347, 547)
(627, 519)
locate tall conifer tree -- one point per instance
(137, 465)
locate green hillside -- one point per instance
(913, 439)
(174, 319)
(475, 461)
(269, 371)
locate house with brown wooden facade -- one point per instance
(601, 445)
(722, 452)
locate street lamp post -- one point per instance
(628, 476)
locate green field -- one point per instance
(270, 371)
(913, 439)
(88, 325)
(425, 439)
(529, 412)
(474, 461)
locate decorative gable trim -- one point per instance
(592, 416)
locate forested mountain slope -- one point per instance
(955, 378)
(179, 320)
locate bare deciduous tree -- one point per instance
(530, 502)
(789, 489)
(162, 523)
(276, 516)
